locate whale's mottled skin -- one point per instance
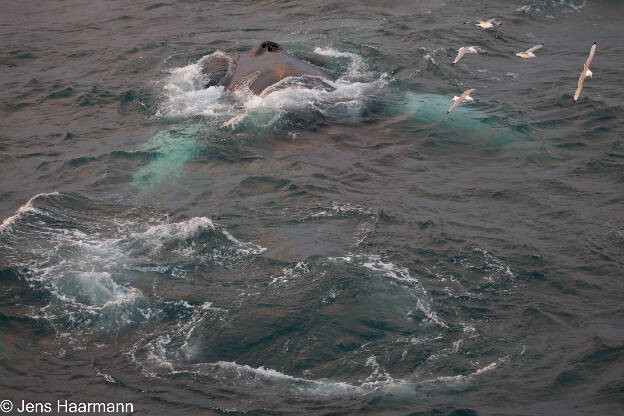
(261, 67)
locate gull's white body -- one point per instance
(467, 50)
(586, 73)
(488, 24)
(464, 98)
(529, 53)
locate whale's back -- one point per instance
(263, 66)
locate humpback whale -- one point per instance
(263, 66)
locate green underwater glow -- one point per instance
(475, 125)
(467, 123)
(174, 148)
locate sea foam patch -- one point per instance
(84, 261)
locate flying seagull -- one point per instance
(467, 49)
(488, 24)
(529, 52)
(464, 98)
(585, 73)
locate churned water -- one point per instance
(200, 251)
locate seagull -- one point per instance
(488, 24)
(585, 73)
(529, 52)
(464, 98)
(467, 49)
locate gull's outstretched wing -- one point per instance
(466, 93)
(460, 54)
(455, 104)
(580, 86)
(534, 48)
(592, 52)
(591, 56)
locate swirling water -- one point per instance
(196, 251)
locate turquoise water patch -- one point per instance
(474, 124)
(174, 147)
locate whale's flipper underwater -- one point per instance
(263, 66)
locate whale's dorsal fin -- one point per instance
(265, 46)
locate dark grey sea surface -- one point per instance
(359, 251)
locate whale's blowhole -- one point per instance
(265, 46)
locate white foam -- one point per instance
(461, 378)
(244, 248)
(498, 267)
(289, 95)
(289, 273)
(342, 209)
(157, 237)
(185, 95)
(374, 262)
(176, 231)
(378, 372)
(357, 67)
(264, 378)
(194, 102)
(321, 387)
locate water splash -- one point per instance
(224, 113)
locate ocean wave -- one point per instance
(388, 269)
(24, 209)
(175, 231)
(464, 378)
(83, 261)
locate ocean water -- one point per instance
(311, 252)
